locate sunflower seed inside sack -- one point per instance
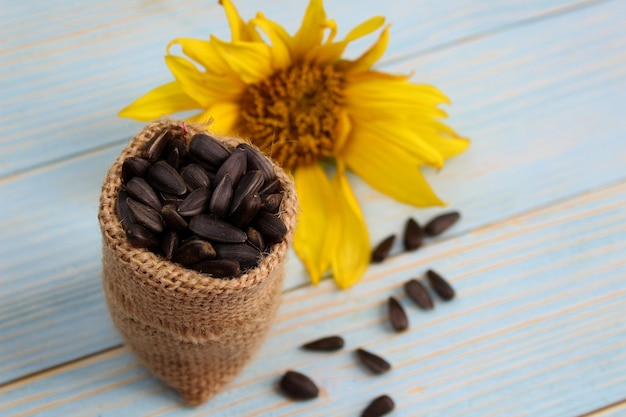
(374, 362)
(413, 235)
(397, 315)
(381, 251)
(441, 223)
(379, 407)
(183, 199)
(440, 285)
(418, 293)
(298, 386)
(329, 343)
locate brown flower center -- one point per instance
(293, 114)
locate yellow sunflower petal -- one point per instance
(369, 57)
(352, 253)
(252, 61)
(311, 32)
(280, 39)
(203, 52)
(166, 99)
(344, 126)
(224, 115)
(238, 28)
(315, 237)
(389, 169)
(442, 138)
(192, 81)
(371, 86)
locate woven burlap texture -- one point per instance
(192, 331)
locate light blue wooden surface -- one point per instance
(538, 258)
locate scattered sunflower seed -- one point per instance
(418, 293)
(381, 251)
(397, 315)
(329, 343)
(441, 223)
(374, 362)
(413, 235)
(379, 407)
(298, 386)
(440, 285)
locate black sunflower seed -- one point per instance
(418, 293)
(379, 407)
(218, 268)
(140, 190)
(195, 203)
(247, 210)
(441, 223)
(250, 183)
(381, 251)
(216, 230)
(255, 238)
(440, 285)
(195, 176)
(397, 316)
(258, 161)
(155, 146)
(270, 187)
(172, 218)
(271, 202)
(173, 158)
(193, 251)
(270, 226)
(246, 255)
(222, 197)
(235, 166)
(208, 149)
(145, 215)
(164, 177)
(374, 362)
(123, 212)
(173, 200)
(329, 343)
(141, 237)
(134, 167)
(298, 386)
(413, 235)
(169, 243)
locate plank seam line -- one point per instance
(598, 412)
(494, 31)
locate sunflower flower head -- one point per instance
(302, 103)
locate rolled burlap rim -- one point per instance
(192, 331)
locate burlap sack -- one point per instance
(192, 331)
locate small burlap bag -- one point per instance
(192, 331)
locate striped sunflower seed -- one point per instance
(208, 149)
(145, 215)
(330, 343)
(193, 251)
(255, 238)
(173, 219)
(379, 407)
(165, 178)
(298, 386)
(413, 235)
(173, 158)
(195, 176)
(441, 223)
(271, 202)
(374, 362)
(123, 212)
(219, 268)
(270, 226)
(397, 315)
(222, 197)
(270, 187)
(440, 285)
(155, 146)
(250, 183)
(246, 255)
(195, 203)
(381, 251)
(141, 237)
(216, 230)
(247, 210)
(258, 161)
(418, 293)
(235, 166)
(169, 243)
(134, 167)
(140, 190)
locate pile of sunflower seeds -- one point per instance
(200, 203)
(300, 387)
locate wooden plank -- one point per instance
(536, 329)
(559, 136)
(67, 70)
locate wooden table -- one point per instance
(538, 259)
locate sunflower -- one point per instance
(314, 112)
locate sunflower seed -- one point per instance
(195, 202)
(255, 238)
(418, 293)
(219, 268)
(123, 212)
(173, 158)
(271, 202)
(177, 142)
(140, 190)
(247, 210)
(298, 386)
(441, 223)
(329, 343)
(270, 187)
(155, 147)
(141, 237)
(208, 149)
(170, 199)
(397, 316)
(374, 362)
(164, 178)
(440, 285)
(413, 235)
(270, 226)
(379, 407)
(195, 176)
(246, 255)
(134, 167)
(222, 197)
(172, 218)
(234, 165)
(250, 183)
(381, 251)
(216, 230)
(145, 215)
(193, 251)
(169, 243)
(258, 161)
